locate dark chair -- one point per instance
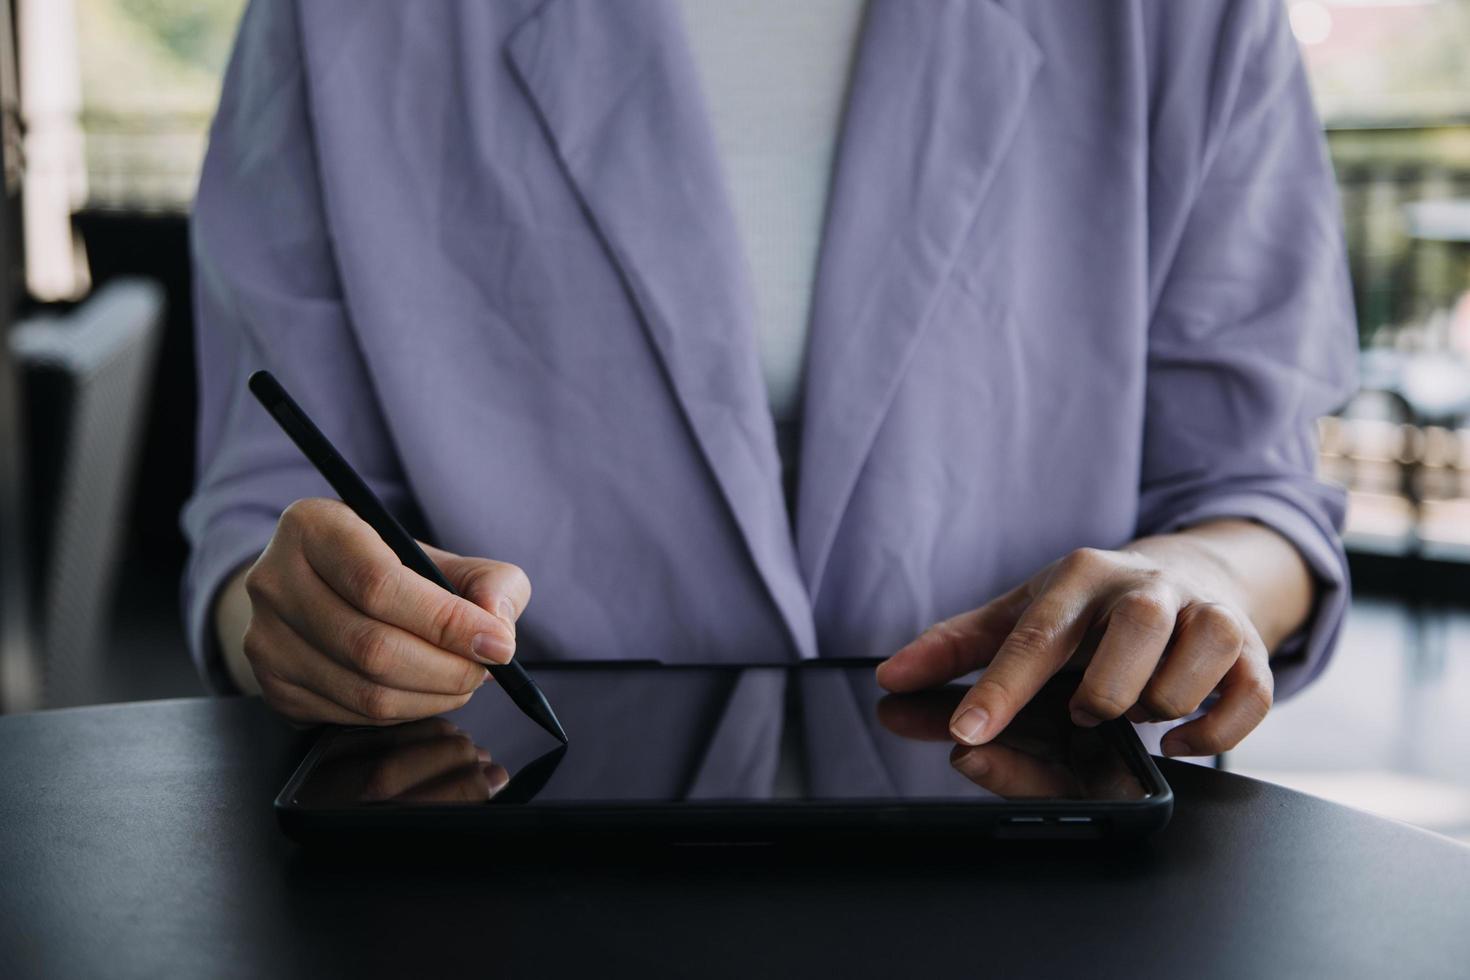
(86, 378)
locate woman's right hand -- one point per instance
(340, 631)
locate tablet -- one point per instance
(725, 754)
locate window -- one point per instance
(150, 73)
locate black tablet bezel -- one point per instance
(745, 821)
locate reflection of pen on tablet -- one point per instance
(531, 779)
(365, 504)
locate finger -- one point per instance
(497, 586)
(396, 772)
(297, 704)
(1044, 638)
(1139, 626)
(954, 647)
(1208, 642)
(350, 557)
(378, 651)
(1245, 698)
(297, 662)
(922, 716)
(1012, 774)
(498, 777)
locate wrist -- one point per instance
(231, 618)
(1248, 565)
(1189, 557)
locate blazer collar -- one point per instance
(933, 104)
(618, 93)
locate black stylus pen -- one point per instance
(365, 504)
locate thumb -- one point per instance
(495, 586)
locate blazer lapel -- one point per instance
(935, 100)
(616, 89)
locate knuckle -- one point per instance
(253, 645)
(946, 639)
(997, 693)
(280, 697)
(1082, 561)
(370, 584)
(370, 649)
(1260, 694)
(1166, 707)
(295, 515)
(495, 579)
(473, 674)
(260, 585)
(449, 619)
(378, 703)
(301, 515)
(1104, 702)
(1146, 611)
(271, 687)
(1030, 641)
(1220, 625)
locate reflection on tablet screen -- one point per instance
(665, 734)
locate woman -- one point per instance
(543, 269)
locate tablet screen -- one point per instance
(665, 734)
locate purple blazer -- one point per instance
(1082, 279)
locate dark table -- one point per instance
(138, 840)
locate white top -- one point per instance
(774, 75)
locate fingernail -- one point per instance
(506, 611)
(973, 764)
(1176, 746)
(970, 725)
(488, 648)
(1083, 719)
(482, 755)
(496, 778)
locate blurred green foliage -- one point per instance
(195, 31)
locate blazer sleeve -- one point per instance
(1252, 335)
(266, 294)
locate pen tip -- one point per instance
(550, 722)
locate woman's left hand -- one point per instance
(1158, 629)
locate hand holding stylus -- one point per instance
(341, 631)
(386, 637)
